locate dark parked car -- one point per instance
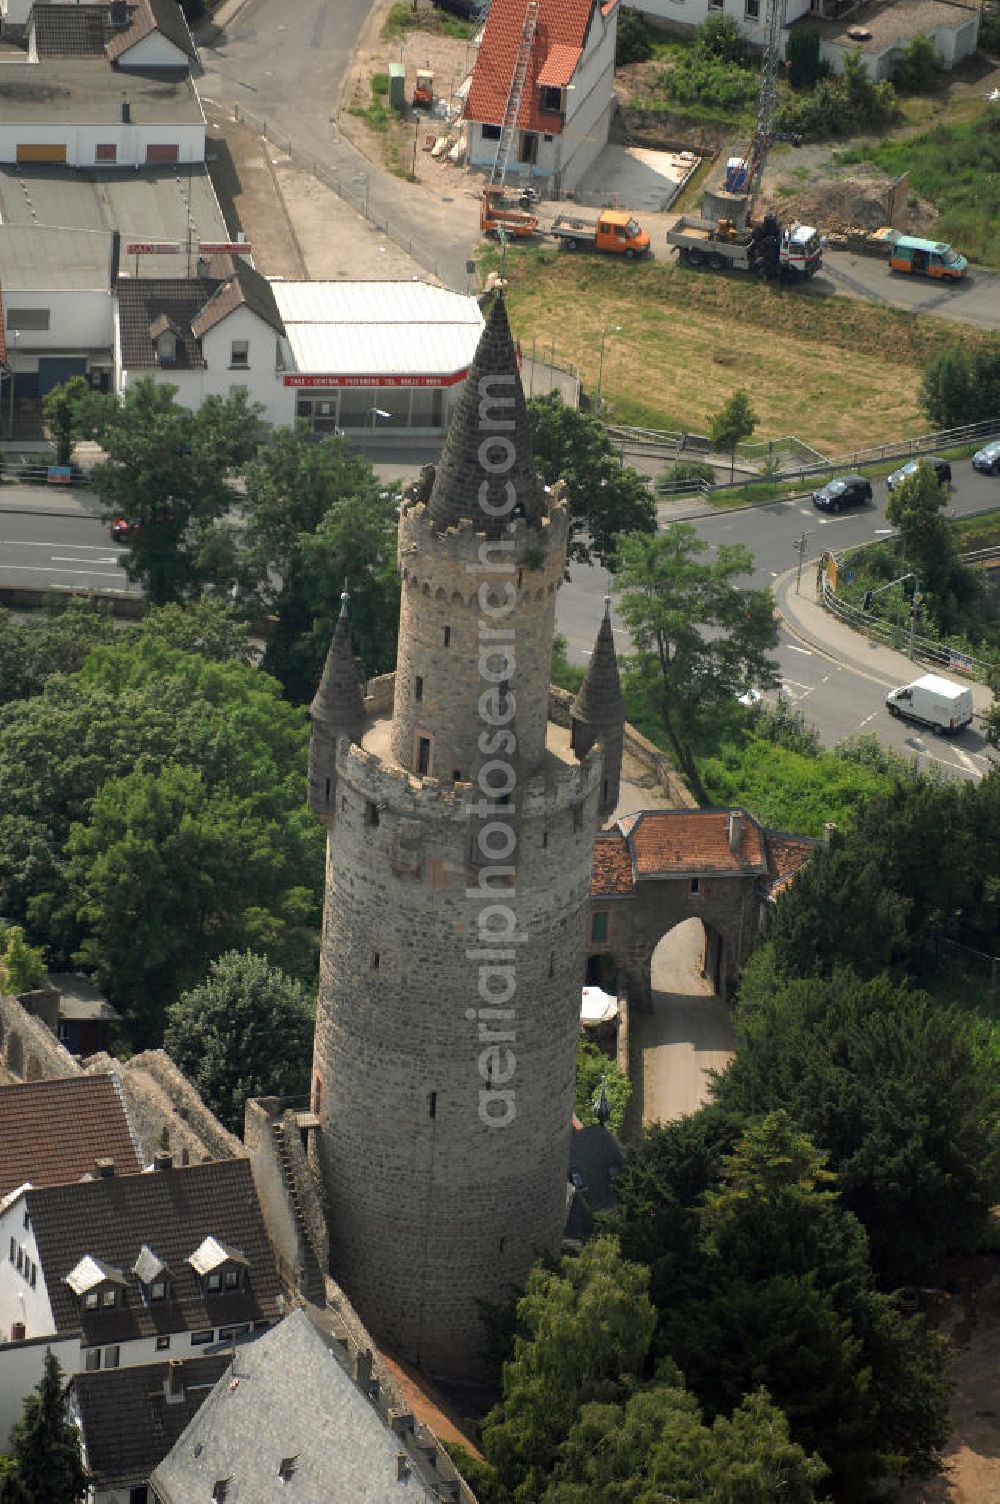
(844, 491)
(942, 470)
(987, 459)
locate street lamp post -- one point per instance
(362, 180)
(608, 328)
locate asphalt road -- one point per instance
(839, 700)
(975, 300)
(44, 542)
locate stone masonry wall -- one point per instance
(430, 1210)
(441, 634)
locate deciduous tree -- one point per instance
(245, 1031)
(734, 422)
(607, 498)
(700, 638)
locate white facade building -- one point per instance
(568, 96)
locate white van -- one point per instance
(932, 701)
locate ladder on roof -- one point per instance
(509, 123)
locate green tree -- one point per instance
(632, 43)
(918, 69)
(317, 519)
(64, 409)
(700, 638)
(46, 1444)
(53, 641)
(593, 1068)
(734, 422)
(584, 1332)
(719, 37)
(962, 385)
(167, 472)
(607, 499)
(895, 1089)
(22, 966)
(245, 1031)
(802, 56)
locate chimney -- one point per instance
(402, 1467)
(104, 1168)
(126, 111)
(163, 1160)
(173, 1384)
(363, 1370)
(828, 832)
(735, 830)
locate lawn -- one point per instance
(957, 167)
(838, 373)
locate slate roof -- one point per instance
(53, 1131)
(338, 706)
(70, 30)
(599, 703)
(596, 1159)
(460, 473)
(171, 1212)
(562, 30)
(192, 305)
(164, 16)
(289, 1397)
(127, 1421)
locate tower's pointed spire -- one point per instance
(598, 712)
(338, 704)
(338, 709)
(488, 446)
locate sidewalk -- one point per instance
(806, 619)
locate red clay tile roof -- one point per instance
(786, 856)
(561, 24)
(612, 871)
(51, 1132)
(668, 841)
(559, 67)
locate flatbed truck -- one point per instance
(614, 231)
(769, 249)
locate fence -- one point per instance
(362, 202)
(896, 635)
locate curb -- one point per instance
(48, 512)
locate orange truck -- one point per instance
(496, 212)
(614, 231)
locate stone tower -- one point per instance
(461, 835)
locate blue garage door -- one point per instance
(53, 370)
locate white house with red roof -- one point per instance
(568, 96)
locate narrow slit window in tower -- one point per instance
(423, 756)
(376, 960)
(418, 688)
(371, 813)
(545, 840)
(578, 818)
(326, 796)
(456, 775)
(552, 964)
(433, 1103)
(447, 637)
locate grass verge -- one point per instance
(957, 166)
(815, 366)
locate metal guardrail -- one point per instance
(898, 636)
(41, 475)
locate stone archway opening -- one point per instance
(687, 1030)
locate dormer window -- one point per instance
(165, 335)
(218, 1267)
(97, 1285)
(152, 1274)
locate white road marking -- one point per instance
(90, 548)
(867, 719)
(96, 574)
(792, 648)
(68, 559)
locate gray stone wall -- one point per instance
(430, 1209)
(442, 616)
(165, 1110)
(29, 1050)
(728, 906)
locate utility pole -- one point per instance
(915, 600)
(800, 546)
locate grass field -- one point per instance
(839, 373)
(957, 166)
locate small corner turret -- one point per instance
(338, 709)
(598, 713)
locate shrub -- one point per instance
(683, 470)
(380, 83)
(917, 70)
(719, 38)
(802, 56)
(844, 105)
(634, 44)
